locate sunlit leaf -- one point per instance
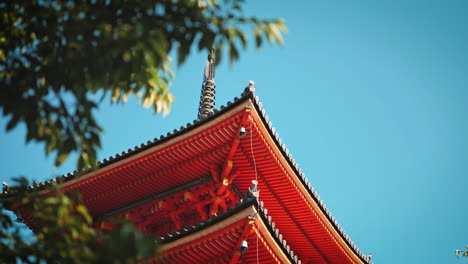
(59, 60)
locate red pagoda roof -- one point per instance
(218, 239)
(229, 149)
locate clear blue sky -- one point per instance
(370, 97)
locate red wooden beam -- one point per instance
(226, 178)
(237, 251)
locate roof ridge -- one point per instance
(295, 167)
(248, 93)
(230, 211)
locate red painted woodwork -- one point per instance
(179, 210)
(221, 242)
(215, 149)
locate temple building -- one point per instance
(221, 189)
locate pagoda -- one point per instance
(221, 189)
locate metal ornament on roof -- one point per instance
(207, 97)
(253, 191)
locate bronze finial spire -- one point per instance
(207, 98)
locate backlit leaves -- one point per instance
(64, 232)
(57, 58)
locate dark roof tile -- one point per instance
(248, 93)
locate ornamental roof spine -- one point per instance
(207, 97)
(186, 188)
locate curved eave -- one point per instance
(218, 239)
(141, 172)
(302, 186)
(188, 153)
(150, 146)
(284, 195)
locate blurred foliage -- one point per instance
(64, 232)
(59, 59)
(462, 253)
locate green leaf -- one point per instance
(84, 213)
(276, 34)
(258, 38)
(233, 53)
(106, 48)
(13, 122)
(50, 146)
(61, 157)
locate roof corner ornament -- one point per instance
(207, 97)
(250, 89)
(253, 191)
(5, 188)
(251, 86)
